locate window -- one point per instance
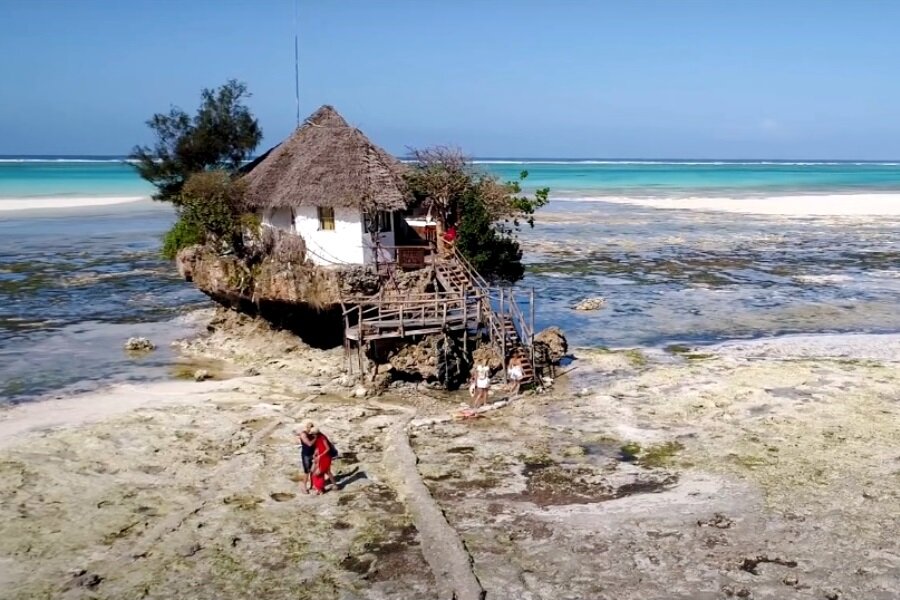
(379, 223)
(326, 218)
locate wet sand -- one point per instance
(765, 471)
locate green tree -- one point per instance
(487, 212)
(210, 212)
(492, 250)
(221, 135)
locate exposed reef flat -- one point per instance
(770, 470)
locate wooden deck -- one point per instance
(466, 303)
(421, 316)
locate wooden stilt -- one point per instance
(531, 341)
(465, 308)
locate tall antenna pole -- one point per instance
(296, 63)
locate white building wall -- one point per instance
(342, 245)
(279, 218)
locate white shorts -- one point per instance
(483, 383)
(516, 373)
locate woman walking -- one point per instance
(324, 452)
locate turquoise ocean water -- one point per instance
(628, 178)
(75, 282)
(86, 176)
(69, 177)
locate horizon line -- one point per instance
(527, 158)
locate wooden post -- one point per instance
(531, 341)
(502, 332)
(503, 355)
(465, 308)
(347, 340)
(359, 343)
(402, 329)
(485, 319)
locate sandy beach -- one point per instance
(20, 204)
(798, 206)
(764, 469)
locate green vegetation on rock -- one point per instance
(651, 457)
(678, 349)
(660, 455)
(635, 357)
(630, 451)
(211, 211)
(182, 234)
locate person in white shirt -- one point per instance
(482, 384)
(515, 374)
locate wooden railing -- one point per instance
(519, 320)
(478, 304)
(422, 311)
(478, 282)
(507, 304)
(405, 257)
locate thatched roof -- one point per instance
(326, 162)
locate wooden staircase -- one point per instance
(507, 328)
(464, 302)
(452, 277)
(514, 346)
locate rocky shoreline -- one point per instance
(714, 473)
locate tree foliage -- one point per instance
(493, 251)
(211, 211)
(221, 135)
(214, 201)
(441, 177)
(487, 212)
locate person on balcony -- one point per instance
(449, 239)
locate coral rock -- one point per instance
(139, 344)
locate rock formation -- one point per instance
(551, 345)
(591, 304)
(139, 344)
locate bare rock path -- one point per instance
(450, 562)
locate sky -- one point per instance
(775, 79)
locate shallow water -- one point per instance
(671, 276)
(74, 287)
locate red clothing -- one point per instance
(450, 235)
(321, 462)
